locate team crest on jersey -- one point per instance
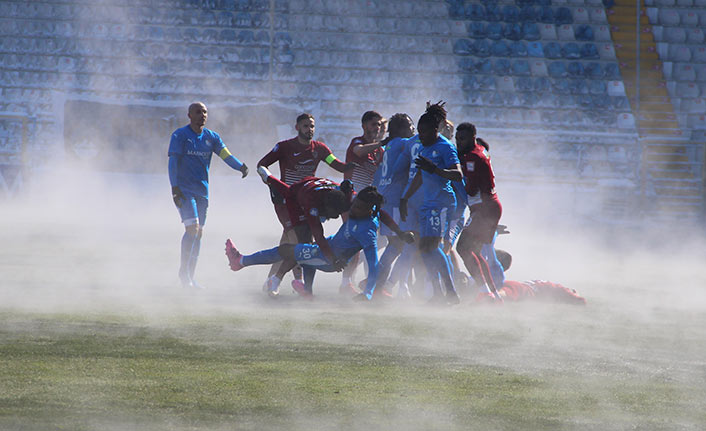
(434, 154)
(470, 166)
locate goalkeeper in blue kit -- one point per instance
(190, 151)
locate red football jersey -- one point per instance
(296, 163)
(478, 173)
(362, 175)
(540, 290)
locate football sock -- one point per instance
(187, 249)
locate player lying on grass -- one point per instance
(359, 232)
(309, 202)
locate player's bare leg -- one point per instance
(469, 249)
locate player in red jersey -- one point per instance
(307, 202)
(479, 177)
(298, 158)
(366, 153)
(535, 290)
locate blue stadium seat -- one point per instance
(260, 5)
(620, 103)
(589, 51)
(209, 35)
(512, 31)
(501, 67)
(484, 67)
(475, 12)
(561, 86)
(229, 36)
(596, 86)
(593, 70)
(487, 82)
(261, 20)
(467, 65)
(470, 83)
(224, 19)
(243, 19)
(522, 3)
(584, 32)
(282, 39)
(493, 13)
(530, 31)
(284, 55)
(518, 49)
(281, 6)
(566, 101)
(557, 69)
(563, 16)
(477, 30)
(262, 37)
(529, 99)
(528, 14)
(457, 11)
(570, 51)
(511, 13)
(542, 85)
(245, 37)
(544, 2)
(520, 68)
(575, 69)
(578, 86)
(601, 101)
(494, 31)
(463, 47)
(243, 5)
(552, 50)
(500, 49)
(482, 48)
(495, 99)
(535, 49)
(524, 84)
(191, 34)
(546, 15)
(612, 72)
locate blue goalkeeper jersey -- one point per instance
(391, 177)
(193, 154)
(437, 191)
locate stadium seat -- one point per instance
(680, 53)
(557, 69)
(684, 72)
(668, 17)
(566, 32)
(528, 14)
(511, 13)
(606, 51)
(470, 83)
(548, 31)
(575, 69)
(597, 87)
(475, 12)
(570, 51)
(694, 106)
(484, 67)
(487, 82)
(481, 47)
(243, 19)
(260, 5)
(593, 70)
(597, 15)
(499, 49)
(457, 11)
(538, 68)
(520, 68)
(580, 16)
(695, 35)
(493, 13)
(589, 51)
(463, 47)
(578, 86)
(687, 90)
(664, 3)
(685, 3)
(701, 72)
(524, 84)
(262, 38)
(467, 65)
(602, 33)
(542, 85)
(505, 84)
(512, 31)
(564, 16)
(494, 31)
(477, 30)
(501, 67)
(674, 34)
(697, 122)
(242, 5)
(616, 89)
(518, 49)
(261, 20)
(546, 15)
(584, 32)
(699, 54)
(552, 50)
(689, 18)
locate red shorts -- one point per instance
(485, 221)
(296, 214)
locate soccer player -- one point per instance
(189, 153)
(358, 232)
(308, 202)
(535, 290)
(438, 165)
(479, 178)
(298, 158)
(390, 180)
(366, 152)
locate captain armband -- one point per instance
(329, 159)
(224, 153)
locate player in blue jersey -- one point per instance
(390, 180)
(438, 165)
(358, 232)
(190, 151)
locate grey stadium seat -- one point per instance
(687, 90)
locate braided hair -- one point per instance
(371, 196)
(434, 115)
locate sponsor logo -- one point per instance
(198, 153)
(296, 154)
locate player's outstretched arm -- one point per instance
(338, 165)
(387, 219)
(233, 162)
(411, 190)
